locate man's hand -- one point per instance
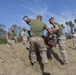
(16, 39)
(49, 30)
(8, 41)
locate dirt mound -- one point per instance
(17, 62)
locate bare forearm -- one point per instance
(7, 38)
(54, 31)
(16, 39)
(49, 30)
(56, 28)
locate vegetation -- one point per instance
(18, 30)
(3, 33)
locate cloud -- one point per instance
(42, 9)
(35, 9)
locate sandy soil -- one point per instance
(17, 62)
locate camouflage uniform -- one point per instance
(24, 38)
(36, 40)
(11, 44)
(61, 42)
(11, 39)
(74, 39)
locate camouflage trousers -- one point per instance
(37, 43)
(25, 41)
(74, 42)
(11, 44)
(62, 47)
(74, 39)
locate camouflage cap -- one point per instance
(24, 28)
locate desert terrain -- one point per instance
(17, 62)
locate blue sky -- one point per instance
(12, 11)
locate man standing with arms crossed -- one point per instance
(60, 37)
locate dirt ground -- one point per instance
(17, 62)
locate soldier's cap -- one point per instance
(51, 18)
(24, 28)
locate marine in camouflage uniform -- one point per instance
(74, 39)
(11, 38)
(60, 38)
(36, 40)
(24, 37)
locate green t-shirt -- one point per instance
(11, 35)
(36, 27)
(59, 32)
